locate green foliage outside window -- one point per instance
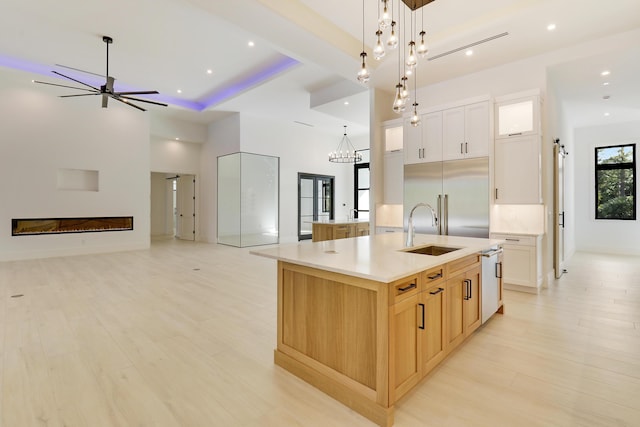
(615, 182)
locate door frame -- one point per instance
(316, 178)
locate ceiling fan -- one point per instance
(106, 90)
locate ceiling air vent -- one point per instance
(467, 46)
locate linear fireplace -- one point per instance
(31, 226)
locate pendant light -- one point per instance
(399, 32)
(363, 74)
(415, 118)
(346, 152)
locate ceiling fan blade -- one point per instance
(105, 100)
(82, 94)
(78, 69)
(144, 92)
(69, 87)
(77, 81)
(143, 100)
(109, 85)
(128, 103)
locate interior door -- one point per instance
(558, 208)
(186, 207)
(315, 202)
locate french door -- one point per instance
(315, 201)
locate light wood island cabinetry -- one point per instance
(322, 231)
(367, 341)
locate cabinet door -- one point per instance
(404, 346)
(519, 265)
(342, 231)
(433, 335)
(453, 133)
(476, 118)
(412, 137)
(432, 137)
(517, 170)
(473, 301)
(454, 297)
(518, 117)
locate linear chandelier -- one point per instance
(415, 48)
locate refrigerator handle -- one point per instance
(446, 215)
(441, 218)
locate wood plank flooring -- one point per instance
(183, 335)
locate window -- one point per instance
(361, 180)
(616, 182)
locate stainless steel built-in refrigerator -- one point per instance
(458, 190)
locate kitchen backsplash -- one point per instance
(528, 219)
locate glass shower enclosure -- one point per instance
(248, 199)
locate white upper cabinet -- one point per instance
(517, 177)
(413, 149)
(518, 117)
(466, 131)
(432, 137)
(393, 139)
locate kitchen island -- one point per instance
(337, 229)
(364, 320)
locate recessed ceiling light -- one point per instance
(469, 52)
(607, 114)
(209, 71)
(251, 43)
(605, 84)
(606, 97)
(177, 139)
(179, 91)
(605, 73)
(346, 102)
(551, 27)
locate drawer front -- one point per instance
(431, 277)
(462, 264)
(404, 288)
(515, 239)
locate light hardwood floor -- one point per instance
(183, 335)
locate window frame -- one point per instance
(615, 166)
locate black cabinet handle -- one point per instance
(499, 276)
(470, 289)
(435, 276)
(436, 292)
(422, 306)
(515, 134)
(406, 288)
(466, 289)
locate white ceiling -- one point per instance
(305, 53)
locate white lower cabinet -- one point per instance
(522, 264)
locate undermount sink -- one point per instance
(432, 250)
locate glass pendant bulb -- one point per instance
(404, 93)
(363, 74)
(415, 118)
(392, 42)
(385, 19)
(422, 47)
(378, 51)
(411, 58)
(399, 104)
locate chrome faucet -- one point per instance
(411, 232)
(352, 213)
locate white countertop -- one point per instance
(338, 221)
(378, 257)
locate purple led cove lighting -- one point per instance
(45, 70)
(232, 89)
(281, 64)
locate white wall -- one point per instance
(610, 236)
(171, 156)
(301, 149)
(42, 133)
